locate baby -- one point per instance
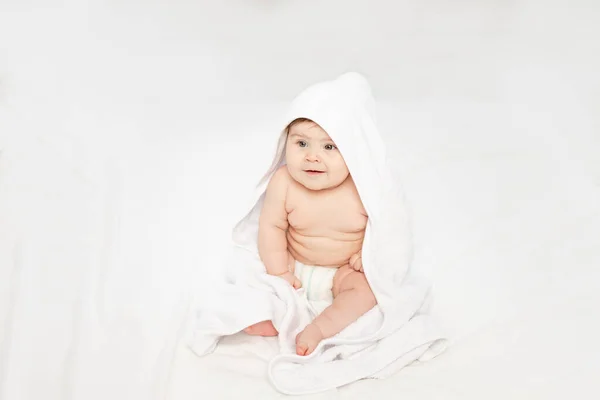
(313, 216)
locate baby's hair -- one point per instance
(280, 150)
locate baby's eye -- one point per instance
(330, 147)
(301, 143)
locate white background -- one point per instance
(129, 131)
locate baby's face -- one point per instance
(312, 158)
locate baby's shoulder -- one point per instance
(281, 174)
(280, 179)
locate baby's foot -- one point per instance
(308, 339)
(263, 328)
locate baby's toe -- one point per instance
(302, 349)
(308, 339)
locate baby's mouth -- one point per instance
(313, 171)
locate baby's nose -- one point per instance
(311, 156)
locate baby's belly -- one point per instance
(332, 251)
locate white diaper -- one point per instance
(317, 283)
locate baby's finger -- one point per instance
(358, 264)
(297, 284)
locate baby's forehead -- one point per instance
(308, 129)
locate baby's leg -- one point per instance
(266, 328)
(352, 298)
(263, 328)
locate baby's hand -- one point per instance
(291, 279)
(356, 262)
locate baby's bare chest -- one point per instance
(321, 214)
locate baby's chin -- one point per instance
(316, 187)
(322, 183)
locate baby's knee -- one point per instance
(339, 278)
(364, 291)
(357, 282)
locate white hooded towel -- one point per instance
(398, 331)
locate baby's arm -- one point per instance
(272, 227)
